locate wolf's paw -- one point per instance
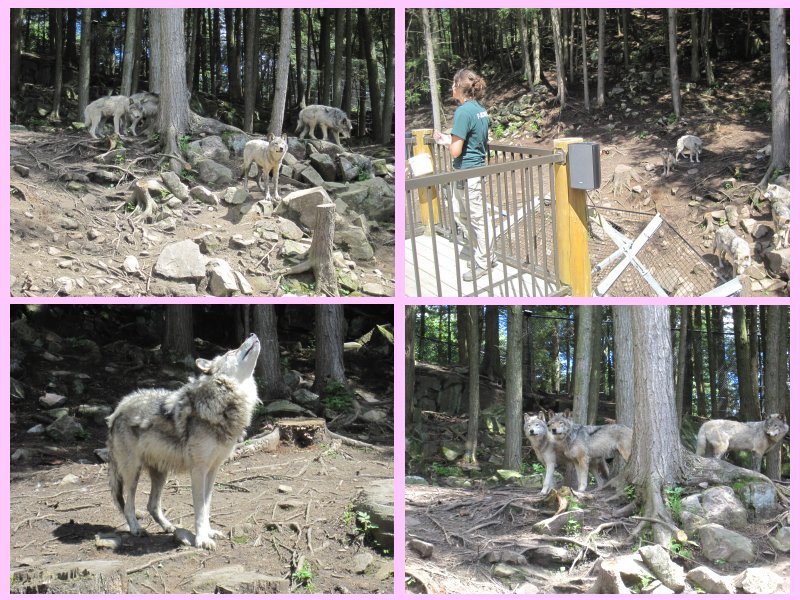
(205, 542)
(215, 533)
(137, 530)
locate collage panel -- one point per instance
(597, 449)
(210, 151)
(625, 152)
(179, 448)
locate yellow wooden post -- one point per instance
(572, 228)
(420, 147)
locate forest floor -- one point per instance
(66, 224)
(484, 542)
(731, 118)
(278, 510)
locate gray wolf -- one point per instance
(779, 197)
(268, 155)
(758, 437)
(193, 428)
(541, 440)
(327, 117)
(727, 242)
(121, 108)
(580, 444)
(667, 160)
(148, 104)
(691, 144)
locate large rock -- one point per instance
(377, 205)
(213, 173)
(297, 148)
(325, 147)
(308, 174)
(355, 241)
(65, 429)
(301, 206)
(658, 561)
(208, 147)
(324, 165)
(353, 166)
(760, 500)
(175, 185)
(718, 504)
(289, 230)
(758, 580)
(234, 579)
(719, 543)
(204, 195)
(181, 260)
(235, 141)
(710, 581)
(82, 577)
(778, 262)
(221, 278)
(377, 500)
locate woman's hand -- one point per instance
(442, 138)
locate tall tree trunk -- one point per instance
(298, 57)
(329, 338)
(282, 77)
(71, 28)
(268, 368)
(597, 364)
(191, 56)
(747, 404)
(129, 58)
(601, 58)
(705, 26)
(462, 326)
(325, 56)
(680, 366)
(173, 106)
(674, 78)
(58, 68)
(536, 44)
(512, 458)
(368, 53)
(473, 342)
(85, 60)
(623, 371)
(178, 339)
(433, 78)
(713, 392)
(775, 376)
(339, 43)
(625, 49)
(583, 363)
(15, 32)
(387, 111)
(251, 67)
(555, 16)
(155, 50)
(697, 361)
(232, 46)
(586, 104)
(555, 360)
(490, 367)
(695, 74)
(347, 93)
(780, 93)
(522, 23)
(410, 378)
(751, 318)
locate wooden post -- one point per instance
(572, 228)
(420, 147)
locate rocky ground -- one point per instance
(695, 199)
(100, 218)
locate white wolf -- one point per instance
(727, 242)
(121, 108)
(691, 144)
(148, 104)
(268, 155)
(192, 429)
(781, 213)
(327, 117)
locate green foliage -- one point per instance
(643, 134)
(363, 174)
(446, 470)
(672, 118)
(644, 581)
(183, 142)
(573, 527)
(303, 577)
(337, 397)
(499, 131)
(674, 501)
(680, 550)
(240, 539)
(630, 492)
(761, 107)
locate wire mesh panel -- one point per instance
(640, 254)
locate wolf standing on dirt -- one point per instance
(581, 444)
(192, 429)
(268, 155)
(469, 145)
(758, 437)
(121, 108)
(327, 117)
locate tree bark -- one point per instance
(338, 56)
(697, 361)
(513, 444)
(85, 61)
(58, 68)
(329, 338)
(324, 56)
(695, 74)
(232, 46)
(706, 33)
(583, 364)
(410, 378)
(387, 111)
(282, 77)
(674, 78)
(473, 342)
(597, 364)
(298, 57)
(155, 50)
(586, 103)
(522, 23)
(178, 331)
(555, 16)
(623, 371)
(680, 365)
(490, 367)
(347, 92)
(191, 57)
(780, 93)
(747, 404)
(268, 368)
(15, 27)
(536, 48)
(368, 53)
(601, 58)
(173, 106)
(775, 377)
(250, 67)
(433, 77)
(129, 58)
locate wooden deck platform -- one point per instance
(504, 280)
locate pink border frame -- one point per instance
(399, 300)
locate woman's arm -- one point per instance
(456, 146)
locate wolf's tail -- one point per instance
(701, 442)
(115, 481)
(299, 124)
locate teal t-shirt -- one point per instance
(471, 124)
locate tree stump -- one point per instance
(320, 256)
(303, 431)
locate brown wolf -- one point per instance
(758, 437)
(581, 444)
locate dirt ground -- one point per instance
(484, 543)
(729, 121)
(86, 234)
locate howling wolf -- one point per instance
(192, 429)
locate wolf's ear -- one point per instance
(285, 137)
(549, 414)
(271, 137)
(203, 365)
(567, 413)
(541, 415)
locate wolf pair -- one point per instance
(558, 440)
(686, 143)
(193, 428)
(123, 109)
(758, 437)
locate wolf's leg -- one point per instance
(157, 481)
(757, 461)
(116, 124)
(210, 478)
(324, 131)
(719, 448)
(312, 127)
(550, 468)
(275, 175)
(203, 539)
(336, 137)
(582, 467)
(130, 479)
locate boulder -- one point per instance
(760, 500)
(301, 206)
(221, 278)
(778, 262)
(658, 561)
(355, 241)
(307, 174)
(65, 429)
(324, 165)
(710, 581)
(719, 543)
(211, 147)
(377, 501)
(758, 580)
(235, 141)
(378, 204)
(181, 260)
(717, 504)
(174, 184)
(213, 173)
